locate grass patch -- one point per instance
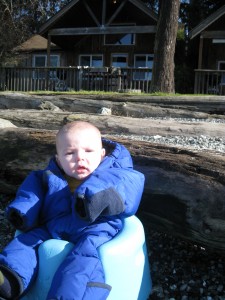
(111, 94)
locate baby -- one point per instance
(82, 196)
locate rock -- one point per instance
(5, 123)
(105, 111)
(47, 105)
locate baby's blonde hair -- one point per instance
(77, 126)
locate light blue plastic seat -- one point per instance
(124, 259)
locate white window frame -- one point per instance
(146, 75)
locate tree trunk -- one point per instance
(165, 41)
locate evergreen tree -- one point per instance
(165, 41)
(19, 19)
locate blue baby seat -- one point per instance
(124, 259)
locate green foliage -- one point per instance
(20, 19)
(180, 34)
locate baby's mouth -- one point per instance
(81, 169)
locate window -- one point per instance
(119, 60)
(143, 61)
(120, 39)
(218, 41)
(91, 60)
(41, 61)
(221, 65)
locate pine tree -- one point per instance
(165, 41)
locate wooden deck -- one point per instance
(211, 82)
(75, 79)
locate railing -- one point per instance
(209, 82)
(75, 79)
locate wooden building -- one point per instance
(94, 44)
(112, 33)
(210, 71)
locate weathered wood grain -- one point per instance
(42, 119)
(184, 190)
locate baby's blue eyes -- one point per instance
(87, 151)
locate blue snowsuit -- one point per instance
(45, 208)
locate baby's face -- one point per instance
(79, 153)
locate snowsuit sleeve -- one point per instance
(113, 192)
(115, 188)
(23, 212)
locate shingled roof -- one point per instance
(36, 42)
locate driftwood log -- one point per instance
(184, 190)
(121, 105)
(113, 124)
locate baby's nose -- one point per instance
(80, 155)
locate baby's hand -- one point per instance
(104, 203)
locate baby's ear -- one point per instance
(103, 152)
